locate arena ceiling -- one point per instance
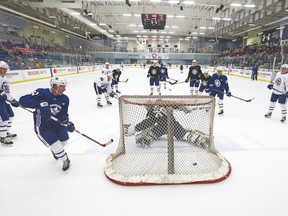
(122, 18)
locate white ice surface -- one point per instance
(33, 184)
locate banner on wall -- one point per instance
(270, 37)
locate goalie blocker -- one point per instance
(167, 140)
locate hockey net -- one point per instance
(166, 140)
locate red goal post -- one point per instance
(166, 140)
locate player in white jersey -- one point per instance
(106, 69)
(6, 112)
(102, 85)
(280, 92)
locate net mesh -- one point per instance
(166, 140)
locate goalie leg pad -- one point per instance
(144, 139)
(197, 138)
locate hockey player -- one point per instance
(116, 73)
(155, 125)
(51, 102)
(181, 68)
(102, 85)
(106, 69)
(164, 74)
(6, 112)
(218, 84)
(154, 74)
(205, 81)
(194, 77)
(280, 92)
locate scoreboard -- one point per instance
(154, 21)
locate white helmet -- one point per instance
(194, 61)
(58, 81)
(4, 65)
(107, 63)
(284, 66)
(219, 69)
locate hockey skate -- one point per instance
(283, 119)
(66, 164)
(11, 135)
(197, 138)
(109, 102)
(118, 92)
(221, 112)
(99, 105)
(5, 141)
(151, 93)
(144, 139)
(268, 115)
(159, 93)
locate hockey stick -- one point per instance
(279, 91)
(177, 82)
(23, 107)
(173, 79)
(172, 83)
(123, 80)
(249, 100)
(64, 124)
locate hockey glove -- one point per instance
(15, 103)
(70, 126)
(3, 97)
(186, 80)
(148, 75)
(270, 86)
(207, 90)
(129, 130)
(286, 94)
(228, 94)
(45, 111)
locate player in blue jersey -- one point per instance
(6, 112)
(164, 74)
(194, 77)
(219, 84)
(116, 73)
(154, 74)
(181, 68)
(280, 92)
(49, 102)
(205, 79)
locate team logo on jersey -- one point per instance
(194, 71)
(5, 87)
(217, 83)
(278, 81)
(55, 109)
(162, 70)
(153, 71)
(204, 83)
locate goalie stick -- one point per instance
(246, 100)
(123, 80)
(64, 124)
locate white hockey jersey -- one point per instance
(106, 71)
(5, 86)
(280, 83)
(103, 82)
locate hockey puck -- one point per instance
(194, 164)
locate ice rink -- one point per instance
(32, 183)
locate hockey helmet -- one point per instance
(206, 71)
(284, 66)
(219, 69)
(107, 63)
(3, 64)
(194, 61)
(58, 81)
